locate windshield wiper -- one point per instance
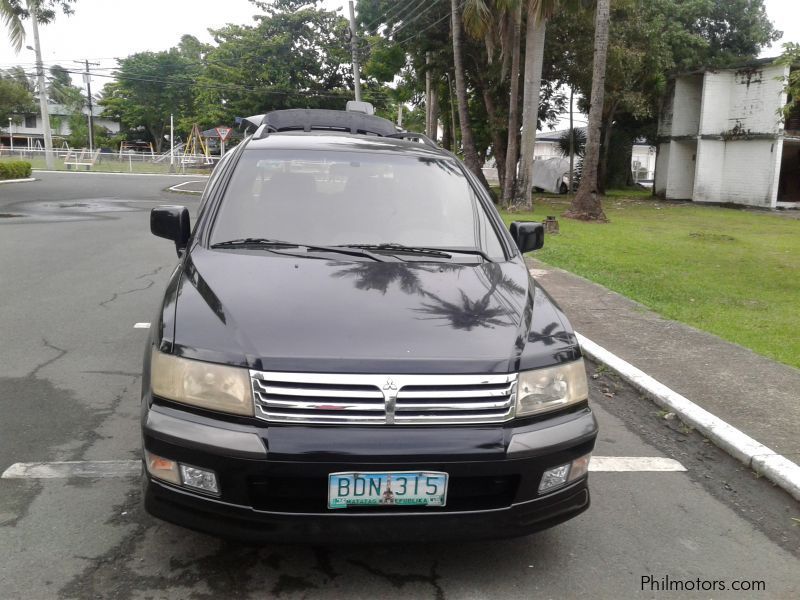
(426, 250)
(347, 250)
(269, 243)
(263, 242)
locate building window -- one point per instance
(30, 121)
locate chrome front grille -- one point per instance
(383, 400)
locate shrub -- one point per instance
(15, 169)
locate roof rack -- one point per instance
(307, 119)
(413, 135)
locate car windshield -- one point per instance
(354, 198)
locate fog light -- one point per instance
(553, 478)
(199, 479)
(162, 468)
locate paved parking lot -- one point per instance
(79, 269)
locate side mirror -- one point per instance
(528, 235)
(172, 223)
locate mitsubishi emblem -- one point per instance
(390, 399)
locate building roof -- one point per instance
(555, 136)
(60, 109)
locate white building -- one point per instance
(643, 158)
(28, 131)
(721, 139)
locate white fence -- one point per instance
(116, 161)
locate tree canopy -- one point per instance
(296, 54)
(16, 97)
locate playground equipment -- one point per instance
(196, 150)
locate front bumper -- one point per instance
(273, 479)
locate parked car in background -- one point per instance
(551, 175)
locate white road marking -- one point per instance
(619, 464)
(83, 468)
(141, 326)
(177, 188)
(94, 469)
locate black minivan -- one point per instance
(352, 349)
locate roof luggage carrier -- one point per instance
(308, 119)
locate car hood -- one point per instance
(281, 313)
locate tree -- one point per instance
(15, 99)
(149, 87)
(791, 59)
(538, 13)
(586, 204)
(293, 57)
(512, 148)
(471, 158)
(576, 144)
(13, 12)
(61, 90)
(649, 41)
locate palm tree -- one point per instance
(471, 158)
(11, 13)
(497, 23)
(539, 12)
(512, 148)
(586, 204)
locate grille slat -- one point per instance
(470, 392)
(322, 405)
(380, 399)
(439, 406)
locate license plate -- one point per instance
(397, 488)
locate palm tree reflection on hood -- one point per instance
(379, 276)
(469, 313)
(466, 314)
(492, 309)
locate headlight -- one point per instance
(207, 385)
(542, 390)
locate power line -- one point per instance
(399, 9)
(403, 25)
(417, 33)
(184, 80)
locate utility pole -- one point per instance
(428, 86)
(48, 135)
(354, 50)
(171, 143)
(571, 143)
(87, 78)
(10, 135)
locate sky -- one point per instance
(101, 30)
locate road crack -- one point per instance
(150, 283)
(61, 352)
(399, 580)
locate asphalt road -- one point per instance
(78, 268)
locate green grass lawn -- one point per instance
(731, 272)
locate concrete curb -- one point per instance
(17, 180)
(764, 461)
